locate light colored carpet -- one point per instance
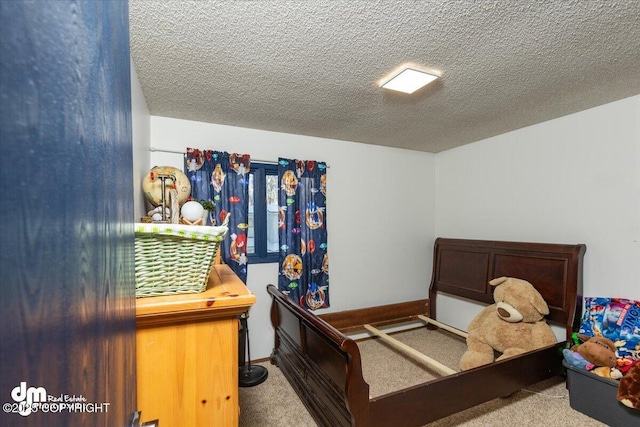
(275, 404)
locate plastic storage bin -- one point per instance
(596, 397)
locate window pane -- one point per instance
(251, 249)
(272, 213)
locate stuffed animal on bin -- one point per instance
(591, 353)
(629, 388)
(513, 325)
(607, 372)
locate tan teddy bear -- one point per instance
(513, 325)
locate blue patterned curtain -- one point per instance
(224, 179)
(304, 261)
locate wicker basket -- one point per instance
(173, 258)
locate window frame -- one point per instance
(259, 171)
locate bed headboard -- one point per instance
(464, 268)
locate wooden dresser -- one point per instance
(187, 353)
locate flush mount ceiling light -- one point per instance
(409, 80)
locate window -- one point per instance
(262, 234)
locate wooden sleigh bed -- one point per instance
(324, 366)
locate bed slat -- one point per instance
(444, 326)
(431, 363)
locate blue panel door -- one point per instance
(67, 303)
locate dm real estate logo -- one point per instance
(26, 399)
(33, 399)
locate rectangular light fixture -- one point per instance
(409, 80)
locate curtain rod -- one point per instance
(152, 149)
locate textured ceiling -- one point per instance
(313, 67)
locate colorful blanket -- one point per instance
(617, 319)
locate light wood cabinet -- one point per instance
(187, 353)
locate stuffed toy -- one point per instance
(591, 353)
(629, 387)
(513, 325)
(607, 372)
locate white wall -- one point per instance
(380, 213)
(575, 179)
(140, 126)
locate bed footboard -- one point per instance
(320, 363)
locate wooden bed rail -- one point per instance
(389, 314)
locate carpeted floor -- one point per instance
(274, 403)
